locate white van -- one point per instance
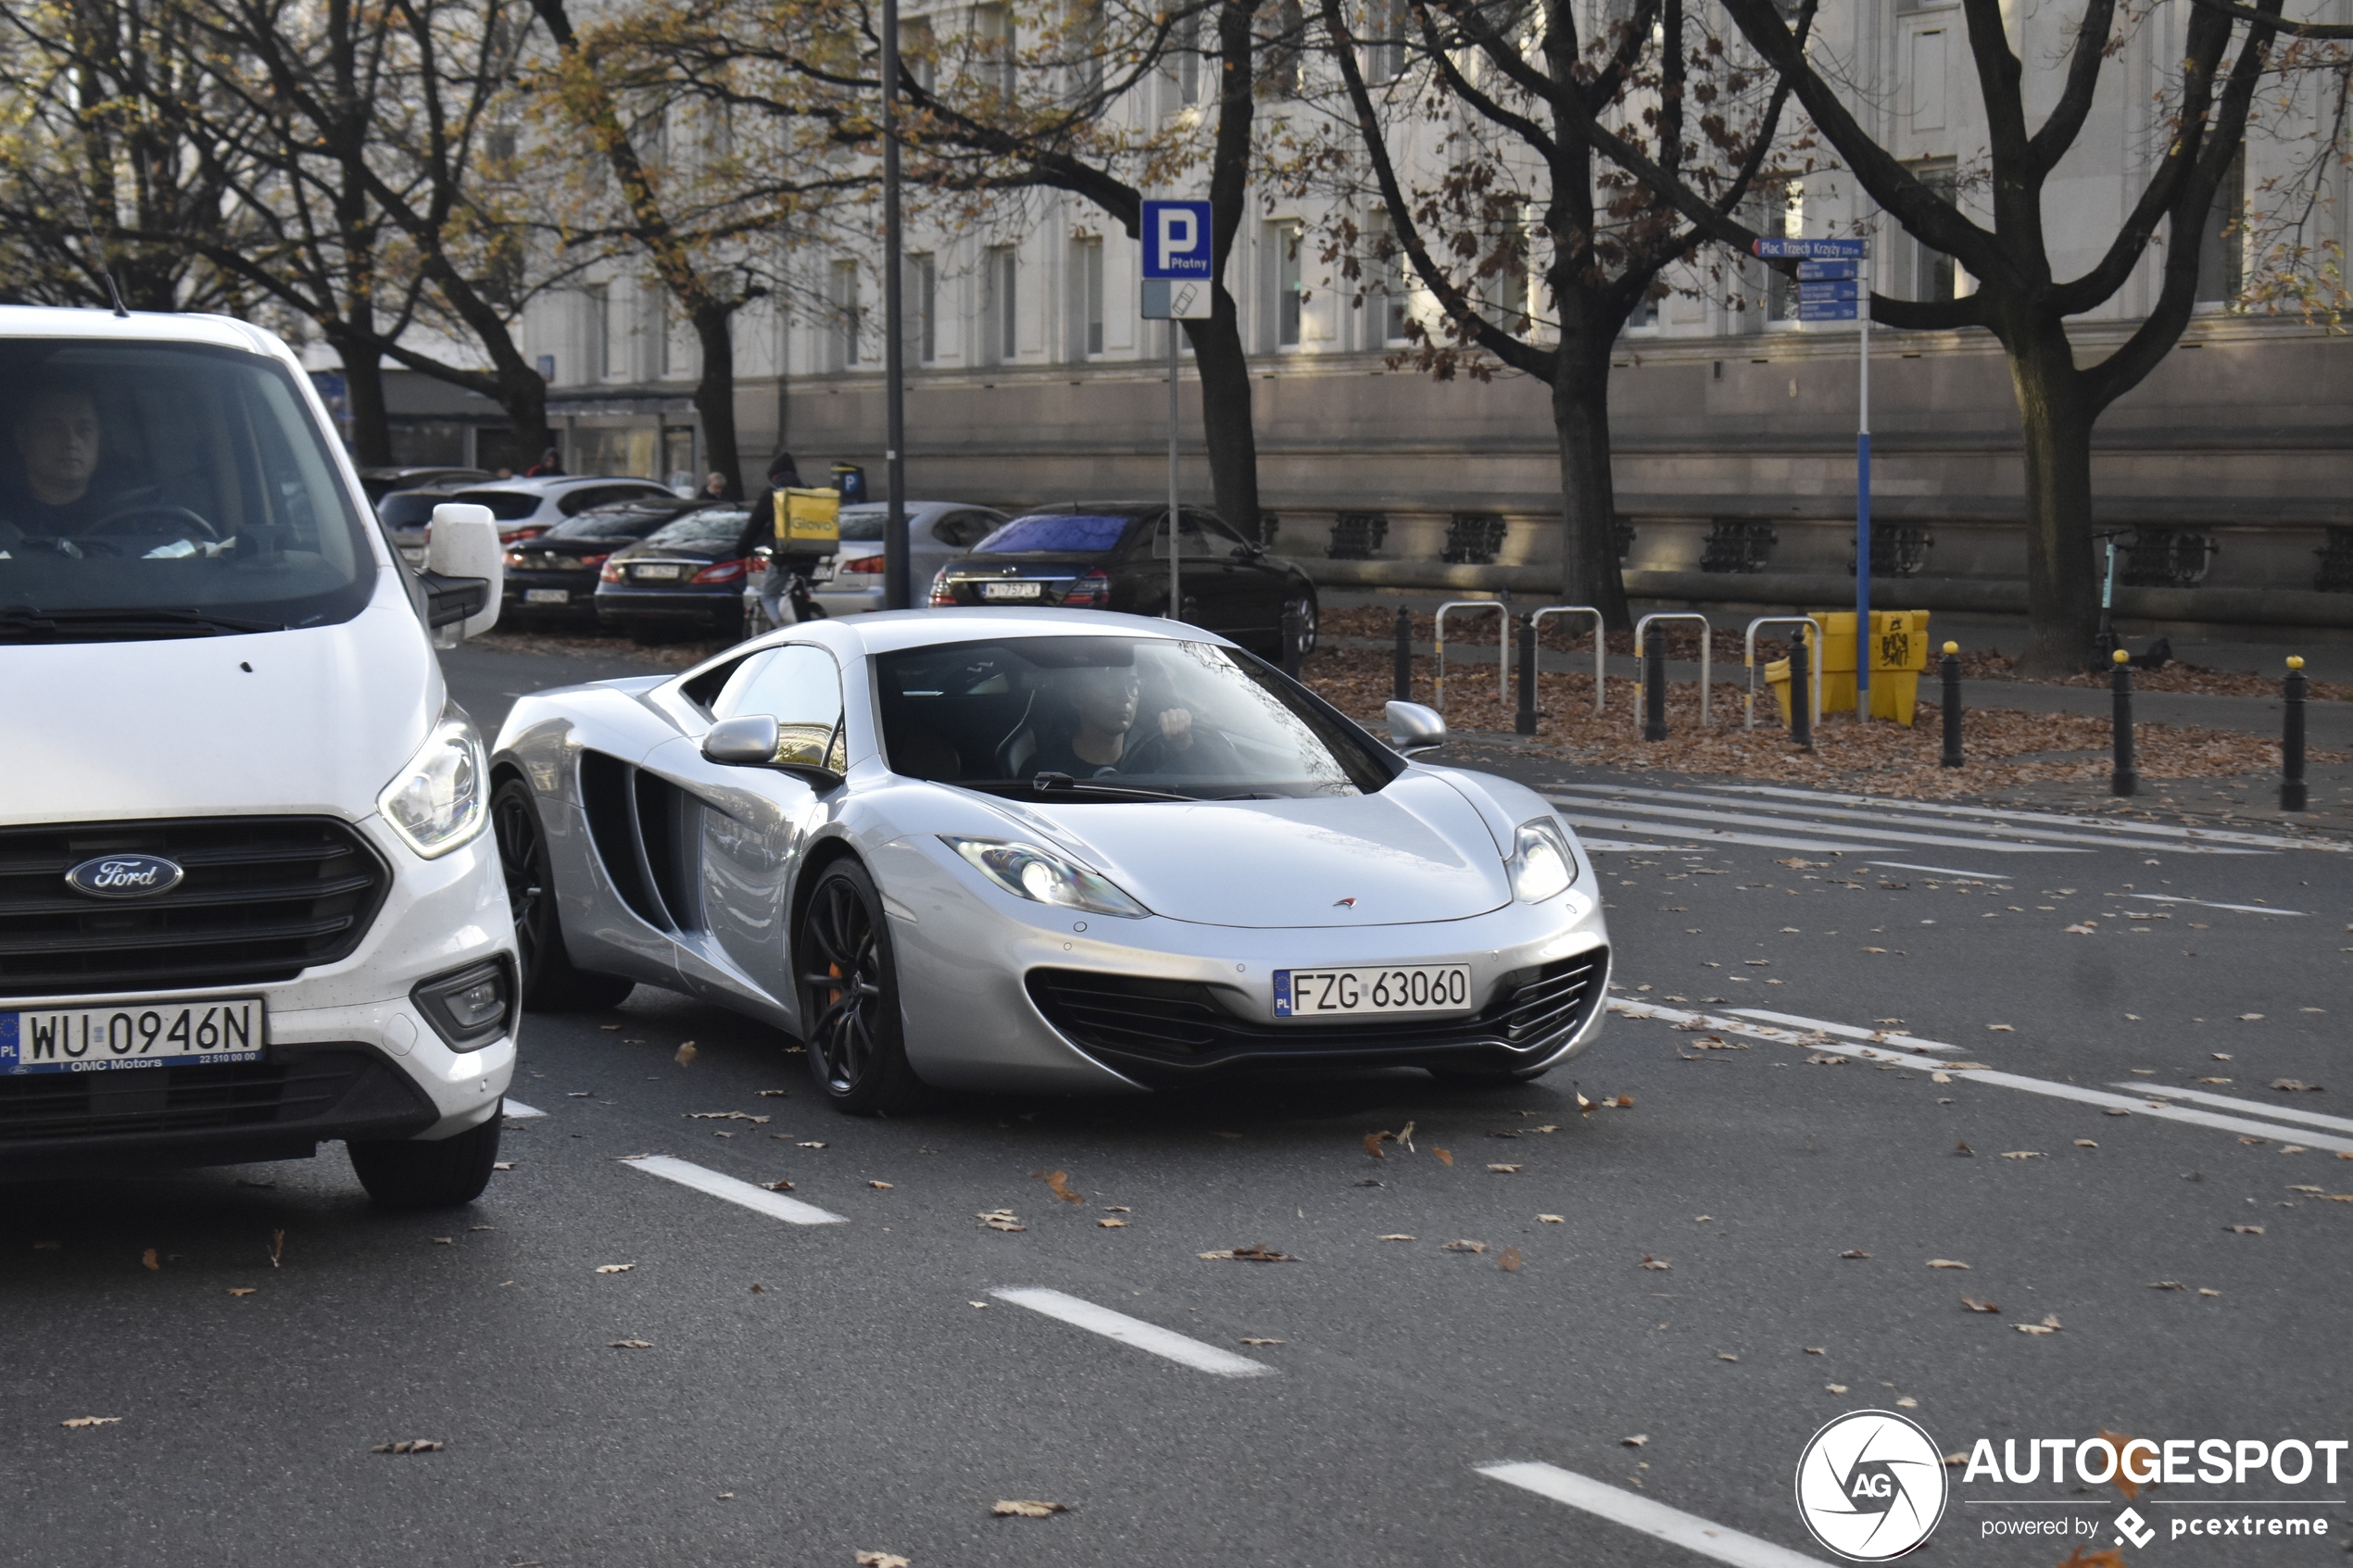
(247, 902)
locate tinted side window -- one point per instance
(798, 685)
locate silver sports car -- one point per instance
(1041, 850)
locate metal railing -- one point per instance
(1706, 631)
(1502, 648)
(1748, 702)
(1537, 622)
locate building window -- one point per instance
(846, 313)
(1384, 40)
(998, 52)
(1000, 315)
(1283, 242)
(1928, 80)
(2222, 247)
(1280, 50)
(922, 290)
(1916, 270)
(1084, 44)
(1183, 74)
(919, 54)
(1086, 265)
(601, 358)
(1390, 295)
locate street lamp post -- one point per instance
(898, 589)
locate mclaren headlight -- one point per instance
(441, 800)
(1542, 864)
(1044, 877)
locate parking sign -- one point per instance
(1177, 239)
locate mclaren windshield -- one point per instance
(1116, 719)
(153, 490)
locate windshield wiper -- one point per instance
(1059, 783)
(22, 622)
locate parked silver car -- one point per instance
(938, 531)
(1041, 849)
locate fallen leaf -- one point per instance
(1000, 1220)
(1111, 1224)
(1940, 1077)
(779, 1185)
(1722, 1357)
(686, 1053)
(2050, 1319)
(1026, 1507)
(445, 1241)
(409, 1445)
(2025, 1154)
(633, 1345)
(812, 1146)
(2213, 1080)
(1465, 1247)
(2167, 1285)
(2250, 1018)
(1907, 1402)
(2203, 1291)
(2086, 1143)
(760, 1290)
(1118, 1209)
(90, 1421)
(776, 1093)
(880, 1560)
(1659, 1263)
(1505, 1170)
(2031, 1328)
(1972, 1304)
(2001, 1029)
(1967, 1067)
(1963, 1148)
(1624, 1102)
(2254, 1141)
(1555, 1127)
(614, 1268)
(1945, 1264)
(1876, 949)
(2295, 1084)
(1835, 1387)
(1857, 1253)
(1955, 1460)
(2117, 1442)
(1265, 1342)
(1584, 1106)
(1373, 1142)
(241, 1290)
(1508, 1259)
(2314, 1191)
(726, 1116)
(1444, 1158)
(879, 1186)
(2244, 1230)
(1549, 1219)
(2084, 930)
(1636, 1441)
(504, 1165)
(1816, 1351)
(149, 1259)
(1058, 1183)
(1819, 1059)
(1398, 1238)
(1258, 1254)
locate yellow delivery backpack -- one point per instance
(806, 521)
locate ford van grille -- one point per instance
(263, 899)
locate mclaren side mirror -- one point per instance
(1413, 729)
(757, 741)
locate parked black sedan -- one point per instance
(554, 575)
(683, 578)
(1115, 557)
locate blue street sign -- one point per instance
(1818, 250)
(1177, 239)
(1811, 271)
(1825, 291)
(1828, 310)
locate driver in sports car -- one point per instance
(1100, 740)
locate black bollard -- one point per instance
(1523, 722)
(1405, 677)
(1294, 634)
(1801, 691)
(1654, 687)
(2292, 740)
(2122, 780)
(1951, 672)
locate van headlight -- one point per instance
(440, 800)
(1542, 864)
(1027, 872)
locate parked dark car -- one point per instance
(684, 577)
(380, 483)
(1115, 557)
(553, 577)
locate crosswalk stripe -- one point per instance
(775, 1205)
(1818, 815)
(1135, 1331)
(1709, 835)
(2158, 829)
(1886, 837)
(2224, 1103)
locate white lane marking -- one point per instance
(1849, 1032)
(1672, 1524)
(1815, 1038)
(1998, 840)
(2242, 908)
(1711, 835)
(520, 1111)
(1887, 836)
(1947, 871)
(1135, 1331)
(775, 1205)
(2211, 835)
(1613, 846)
(2224, 1103)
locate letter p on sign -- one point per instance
(1177, 239)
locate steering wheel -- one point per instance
(163, 511)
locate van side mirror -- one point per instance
(1413, 729)
(465, 574)
(806, 751)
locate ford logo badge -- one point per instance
(125, 876)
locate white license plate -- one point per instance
(99, 1039)
(1323, 993)
(1011, 589)
(547, 595)
(652, 574)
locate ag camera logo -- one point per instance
(1870, 1485)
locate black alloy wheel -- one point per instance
(849, 996)
(550, 984)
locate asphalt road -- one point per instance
(807, 1392)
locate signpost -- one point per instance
(1179, 277)
(1834, 284)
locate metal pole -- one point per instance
(1654, 689)
(1863, 501)
(2122, 779)
(898, 585)
(1801, 710)
(1402, 674)
(1175, 583)
(1952, 673)
(2292, 796)
(1524, 722)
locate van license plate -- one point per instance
(1011, 589)
(1320, 993)
(99, 1039)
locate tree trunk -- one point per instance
(524, 395)
(2055, 415)
(1225, 424)
(715, 393)
(1589, 573)
(363, 394)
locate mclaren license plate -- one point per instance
(1329, 993)
(102, 1039)
(1012, 590)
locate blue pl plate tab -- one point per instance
(1282, 993)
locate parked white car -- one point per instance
(247, 900)
(527, 507)
(938, 531)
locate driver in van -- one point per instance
(57, 437)
(1105, 700)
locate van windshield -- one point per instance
(167, 489)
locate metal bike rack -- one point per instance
(1537, 622)
(1706, 631)
(1748, 702)
(1502, 648)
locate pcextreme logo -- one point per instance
(1870, 1485)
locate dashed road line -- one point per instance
(1849, 1032)
(2106, 824)
(1618, 846)
(1947, 870)
(1814, 1037)
(514, 1110)
(2242, 908)
(1671, 1524)
(775, 1205)
(2224, 1103)
(1134, 1331)
(1706, 835)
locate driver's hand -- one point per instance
(1177, 727)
